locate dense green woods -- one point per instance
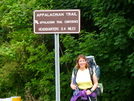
(27, 67)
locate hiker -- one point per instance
(83, 80)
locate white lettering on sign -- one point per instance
(71, 21)
(49, 14)
(60, 22)
(49, 29)
(63, 28)
(47, 22)
(36, 21)
(71, 14)
(71, 28)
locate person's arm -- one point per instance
(72, 85)
(95, 84)
(95, 80)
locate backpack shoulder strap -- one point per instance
(75, 71)
(90, 68)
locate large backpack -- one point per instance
(92, 64)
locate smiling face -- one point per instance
(82, 62)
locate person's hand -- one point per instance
(88, 92)
(73, 86)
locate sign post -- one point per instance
(57, 67)
(57, 22)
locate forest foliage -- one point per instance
(27, 66)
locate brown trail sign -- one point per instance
(57, 21)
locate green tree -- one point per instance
(110, 41)
(26, 64)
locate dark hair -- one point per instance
(77, 61)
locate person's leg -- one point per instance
(93, 98)
(79, 99)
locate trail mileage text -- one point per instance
(57, 28)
